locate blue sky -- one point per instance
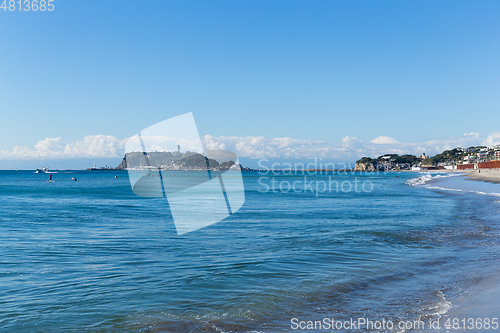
(319, 71)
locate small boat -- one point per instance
(44, 170)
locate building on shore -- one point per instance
(423, 156)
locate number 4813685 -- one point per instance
(27, 5)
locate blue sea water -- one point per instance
(92, 256)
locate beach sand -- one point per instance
(478, 301)
(487, 175)
(481, 300)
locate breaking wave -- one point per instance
(424, 179)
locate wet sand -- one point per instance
(477, 305)
(487, 175)
(480, 302)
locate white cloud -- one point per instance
(95, 146)
(165, 143)
(384, 140)
(262, 147)
(49, 145)
(348, 149)
(90, 146)
(351, 142)
(492, 140)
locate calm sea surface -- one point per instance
(91, 256)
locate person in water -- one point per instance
(50, 176)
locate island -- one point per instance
(176, 161)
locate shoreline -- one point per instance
(479, 300)
(485, 175)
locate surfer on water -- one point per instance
(50, 176)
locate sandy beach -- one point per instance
(477, 303)
(486, 175)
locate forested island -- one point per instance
(175, 161)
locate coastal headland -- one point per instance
(477, 163)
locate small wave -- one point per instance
(459, 190)
(436, 310)
(432, 312)
(424, 179)
(445, 189)
(419, 180)
(442, 306)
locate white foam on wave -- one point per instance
(442, 306)
(424, 179)
(434, 311)
(459, 190)
(482, 188)
(437, 309)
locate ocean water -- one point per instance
(91, 256)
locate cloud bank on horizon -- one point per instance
(106, 146)
(54, 148)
